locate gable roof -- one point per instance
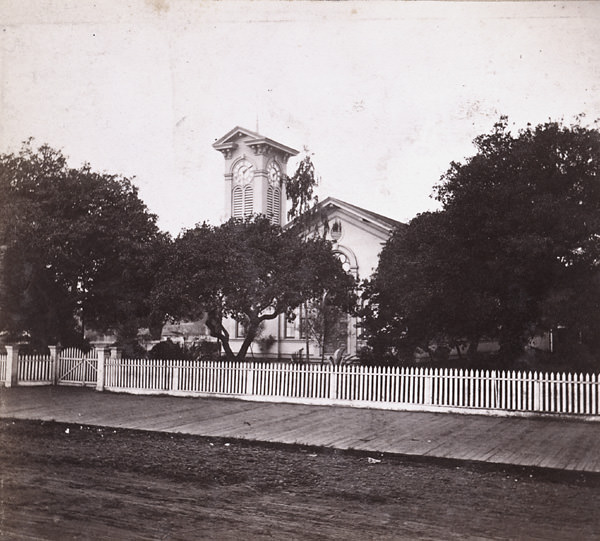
(362, 213)
(383, 223)
(255, 140)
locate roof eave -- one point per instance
(227, 142)
(274, 144)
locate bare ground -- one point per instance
(61, 481)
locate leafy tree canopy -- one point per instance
(307, 217)
(300, 188)
(251, 271)
(78, 249)
(514, 250)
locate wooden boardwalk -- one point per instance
(548, 443)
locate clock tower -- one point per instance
(255, 167)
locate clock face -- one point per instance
(274, 173)
(243, 172)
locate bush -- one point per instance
(168, 350)
(265, 343)
(199, 350)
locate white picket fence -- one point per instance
(69, 367)
(35, 370)
(376, 387)
(359, 386)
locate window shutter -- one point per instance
(248, 201)
(276, 206)
(237, 207)
(270, 208)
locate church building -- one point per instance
(254, 168)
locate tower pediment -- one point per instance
(258, 143)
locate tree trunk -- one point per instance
(455, 344)
(305, 308)
(472, 349)
(215, 326)
(251, 333)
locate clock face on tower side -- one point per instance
(243, 172)
(274, 173)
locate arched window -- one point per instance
(242, 202)
(242, 195)
(346, 265)
(336, 230)
(347, 258)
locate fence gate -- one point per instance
(77, 368)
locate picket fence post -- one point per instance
(175, 375)
(428, 390)
(54, 353)
(100, 371)
(12, 365)
(333, 383)
(249, 379)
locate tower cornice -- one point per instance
(226, 149)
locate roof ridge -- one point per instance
(381, 217)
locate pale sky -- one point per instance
(384, 94)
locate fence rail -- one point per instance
(376, 387)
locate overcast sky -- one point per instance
(383, 94)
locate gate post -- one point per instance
(100, 371)
(12, 366)
(114, 365)
(54, 353)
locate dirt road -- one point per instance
(78, 482)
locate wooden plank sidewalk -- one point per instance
(565, 444)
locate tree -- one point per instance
(514, 250)
(322, 322)
(251, 271)
(411, 299)
(79, 249)
(300, 188)
(306, 217)
(306, 220)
